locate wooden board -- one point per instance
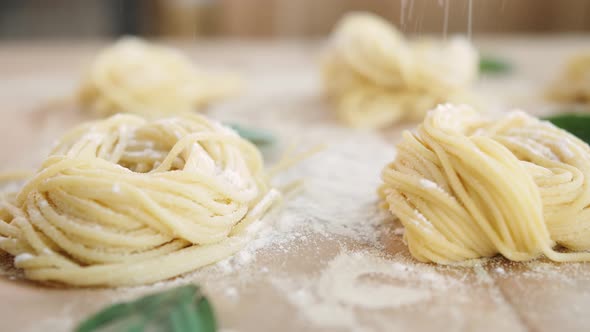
(295, 279)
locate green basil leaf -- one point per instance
(182, 309)
(491, 65)
(258, 137)
(206, 317)
(577, 124)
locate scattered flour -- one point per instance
(52, 324)
(564, 148)
(570, 273)
(342, 282)
(224, 329)
(225, 266)
(500, 271)
(317, 211)
(11, 187)
(341, 200)
(362, 280)
(425, 183)
(244, 257)
(23, 257)
(232, 293)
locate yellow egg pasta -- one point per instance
(466, 186)
(375, 77)
(573, 86)
(130, 201)
(134, 76)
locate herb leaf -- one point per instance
(492, 65)
(576, 123)
(182, 309)
(258, 137)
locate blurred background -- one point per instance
(71, 19)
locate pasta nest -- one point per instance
(377, 78)
(138, 77)
(465, 186)
(573, 86)
(127, 201)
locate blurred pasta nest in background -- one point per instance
(135, 76)
(573, 86)
(376, 77)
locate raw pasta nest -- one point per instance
(573, 86)
(138, 77)
(127, 201)
(376, 77)
(465, 186)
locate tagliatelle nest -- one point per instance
(128, 201)
(467, 186)
(376, 77)
(573, 86)
(134, 76)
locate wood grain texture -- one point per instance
(312, 18)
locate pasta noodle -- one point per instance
(466, 187)
(128, 201)
(377, 78)
(137, 77)
(574, 84)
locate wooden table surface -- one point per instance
(283, 94)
